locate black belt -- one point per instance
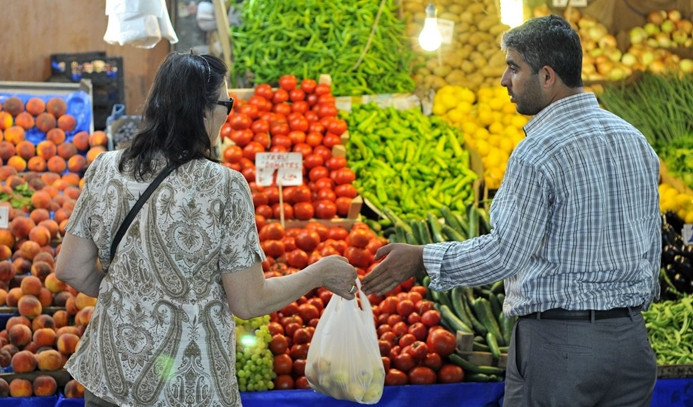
(587, 315)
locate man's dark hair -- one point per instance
(548, 41)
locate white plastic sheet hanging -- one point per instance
(140, 23)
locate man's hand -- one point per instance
(401, 261)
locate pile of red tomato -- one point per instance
(413, 345)
(295, 117)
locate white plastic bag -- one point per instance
(344, 358)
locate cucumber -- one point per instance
(450, 218)
(424, 232)
(450, 317)
(456, 297)
(496, 305)
(436, 228)
(479, 346)
(452, 234)
(479, 328)
(492, 343)
(441, 298)
(471, 367)
(481, 377)
(497, 287)
(482, 308)
(473, 221)
(506, 326)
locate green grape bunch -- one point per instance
(254, 360)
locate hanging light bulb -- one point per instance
(430, 38)
(511, 12)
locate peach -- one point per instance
(44, 337)
(31, 285)
(83, 316)
(82, 300)
(19, 335)
(21, 226)
(73, 389)
(98, 138)
(56, 136)
(72, 191)
(5, 252)
(13, 105)
(69, 329)
(77, 163)
(7, 238)
(71, 179)
(67, 342)
(21, 265)
(29, 306)
(3, 296)
(17, 320)
(6, 120)
(21, 388)
(67, 122)
(52, 283)
(15, 134)
(57, 106)
(60, 298)
(13, 296)
(35, 106)
(10, 348)
(70, 305)
(25, 149)
(46, 149)
(36, 163)
(67, 150)
(50, 177)
(7, 150)
(45, 122)
(6, 270)
(45, 385)
(52, 227)
(18, 163)
(60, 318)
(62, 214)
(24, 120)
(40, 235)
(45, 297)
(94, 152)
(42, 321)
(45, 255)
(56, 164)
(5, 360)
(62, 225)
(31, 347)
(38, 215)
(41, 269)
(41, 199)
(81, 141)
(29, 248)
(49, 360)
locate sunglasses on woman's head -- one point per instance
(228, 104)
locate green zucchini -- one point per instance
(472, 368)
(450, 317)
(492, 343)
(482, 308)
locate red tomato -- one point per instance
(346, 190)
(279, 344)
(260, 221)
(318, 172)
(233, 154)
(359, 237)
(307, 240)
(441, 341)
(262, 104)
(263, 139)
(326, 194)
(299, 351)
(240, 121)
(279, 96)
(324, 182)
(278, 149)
(336, 162)
(433, 360)
(279, 128)
(308, 85)
(308, 311)
(323, 89)
(325, 209)
(343, 176)
(312, 160)
(288, 82)
(406, 340)
(298, 123)
(297, 258)
(286, 207)
(226, 130)
(302, 383)
(337, 233)
(300, 106)
(297, 95)
(324, 151)
(283, 382)
(275, 328)
(282, 109)
(413, 318)
(389, 305)
(289, 243)
(241, 137)
(249, 110)
(384, 347)
(264, 90)
(389, 336)
(282, 364)
(303, 210)
(318, 227)
(272, 248)
(450, 373)
(259, 198)
(299, 368)
(302, 148)
(431, 318)
(313, 138)
(272, 231)
(281, 140)
(404, 362)
(316, 127)
(420, 331)
(327, 110)
(297, 137)
(251, 149)
(264, 210)
(422, 375)
(312, 99)
(405, 307)
(418, 350)
(424, 306)
(300, 336)
(337, 126)
(302, 193)
(395, 377)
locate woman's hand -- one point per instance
(401, 262)
(337, 275)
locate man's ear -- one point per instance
(547, 76)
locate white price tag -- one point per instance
(574, 3)
(4, 217)
(446, 29)
(687, 233)
(287, 166)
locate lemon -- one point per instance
(689, 217)
(519, 121)
(482, 147)
(469, 127)
(509, 108)
(465, 95)
(507, 145)
(481, 133)
(496, 128)
(456, 116)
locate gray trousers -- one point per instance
(90, 400)
(606, 362)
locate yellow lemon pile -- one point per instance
(489, 122)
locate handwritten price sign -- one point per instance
(288, 168)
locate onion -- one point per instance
(637, 35)
(656, 17)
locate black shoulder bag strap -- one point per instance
(136, 208)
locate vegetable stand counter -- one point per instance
(668, 393)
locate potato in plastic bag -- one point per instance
(344, 358)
